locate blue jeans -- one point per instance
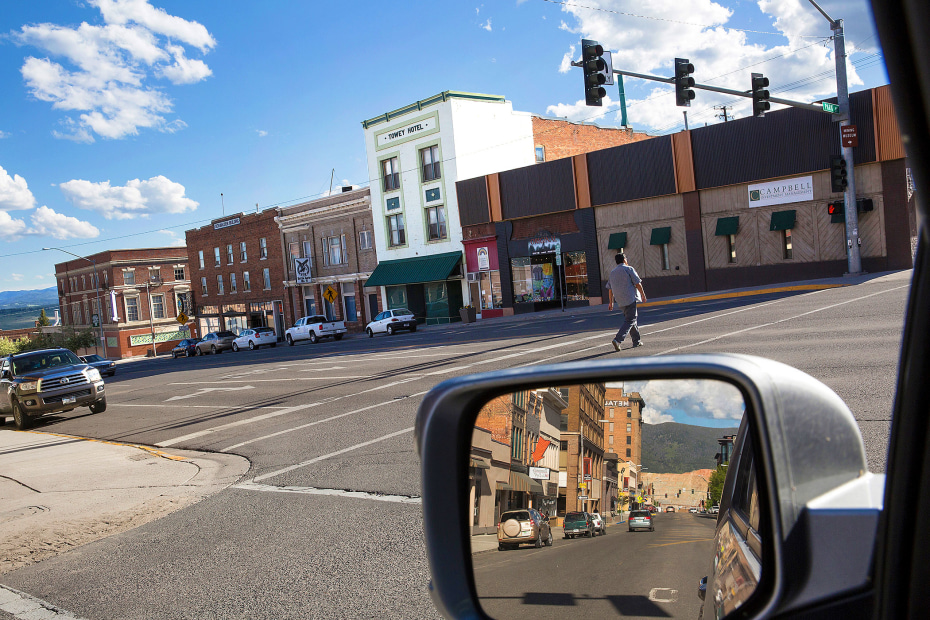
(629, 324)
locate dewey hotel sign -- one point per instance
(781, 192)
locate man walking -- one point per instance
(625, 287)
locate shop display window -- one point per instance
(397, 297)
(534, 278)
(489, 283)
(576, 276)
(436, 295)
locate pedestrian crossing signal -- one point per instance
(835, 208)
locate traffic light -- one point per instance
(683, 82)
(595, 72)
(836, 208)
(760, 96)
(838, 181)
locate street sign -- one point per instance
(330, 294)
(850, 135)
(582, 498)
(832, 108)
(182, 318)
(583, 485)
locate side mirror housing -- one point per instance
(815, 493)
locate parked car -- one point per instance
(105, 366)
(517, 527)
(255, 338)
(313, 328)
(640, 520)
(48, 381)
(600, 525)
(215, 342)
(187, 348)
(693, 510)
(578, 524)
(390, 321)
(714, 510)
(670, 509)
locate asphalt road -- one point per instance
(632, 574)
(327, 522)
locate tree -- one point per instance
(715, 485)
(43, 319)
(7, 346)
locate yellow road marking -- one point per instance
(150, 450)
(766, 291)
(680, 542)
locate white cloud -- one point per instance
(578, 111)
(486, 25)
(177, 240)
(14, 192)
(696, 398)
(567, 59)
(16, 277)
(4, 134)
(722, 56)
(157, 195)
(261, 133)
(46, 221)
(10, 228)
(104, 70)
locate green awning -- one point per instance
(783, 220)
(661, 236)
(522, 482)
(433, 268)
(727, 226)
(479, 463)
(503, 486)
(617, 241)
(838, 218)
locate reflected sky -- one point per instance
(688, 401)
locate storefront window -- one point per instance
(437, 299)
(522, 280)
(397, 297)
(490, 285)
(576, 276)
(534, 278)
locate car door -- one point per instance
(377, 325)
(6, 382)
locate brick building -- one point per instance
(681, 491)
(557, 138)
(336, 235)
(583, 453)
(238, 274)
(141, 292)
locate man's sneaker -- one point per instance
(616, 345)
(637, 344)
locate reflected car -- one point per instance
(255, 338)
(578, 524)
(389, 321)
(600, 525)
(693, 510)
(670, 509)
(215, 342)
(518, 527)
(105, 366)
(185, 348)
(640, 520)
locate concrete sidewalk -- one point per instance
(58, 492)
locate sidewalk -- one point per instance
(49, 504)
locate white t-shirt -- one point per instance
(622, 281)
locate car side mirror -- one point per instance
(795, 491)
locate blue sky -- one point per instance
(698, 402)
(122, 121)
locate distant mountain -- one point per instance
(43, 297)
(674, 448)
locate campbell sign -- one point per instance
(781, 192)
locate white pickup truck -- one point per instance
(313, 328)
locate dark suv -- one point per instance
(38, 383)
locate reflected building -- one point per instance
(624, 430)
(582, 450)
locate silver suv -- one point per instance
(38, 383)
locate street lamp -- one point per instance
(96, 292)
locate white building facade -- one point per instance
(415, 156)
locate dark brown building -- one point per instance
(139, 291)
(583, 447)
(238, 274)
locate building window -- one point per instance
(348, 301)
(243, 254)
(611, 429)
(576, 276)
(489, 286)
(629, 440)
(178, 273)
(786, 242)
(83, 283)
(293, 249)
(216, 257)
(200, 256)
(333, 250)
(203, 286)
(611, 412)
(364, 240)
(155, 275)
(262, 248)
(106, 280)
(540, 153)
(629, 413)
(391, 174)
(731, 248)
(158, 306)
(429, 158)
(232, 283)
(436, 218)
(266, 276)
(611, 440)
(246, 283)
(219, 284)
(629, 427)
(129, 278)
(229, 254)
(629, 453)
(132, 308)
(665, 262)
(396, 227)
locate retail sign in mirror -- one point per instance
(601, 499)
